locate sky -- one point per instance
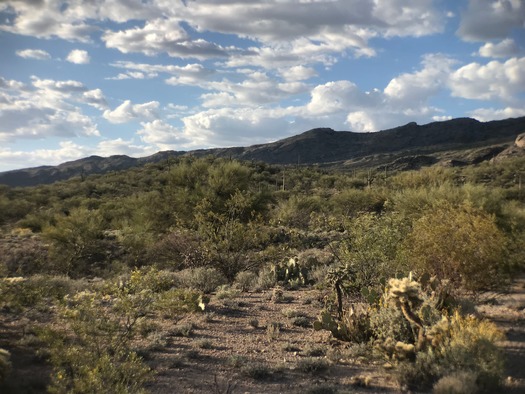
(134, 77)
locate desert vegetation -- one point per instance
(369, 277)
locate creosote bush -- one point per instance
(91, 349)
(461, 244)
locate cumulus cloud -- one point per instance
(488, 114)
(486, 20)
(44, 109)
(192, 73)
(159, 36)
(494, 80)
(120, 146)
(238, 126)
(95, 98)
(37, 54)
(78, 56)
(71, 20)
(420, 85)
(68, 86)
(127, 112)
(162, 135)
(66, 151)
(337, 96)
(332, 27)
(297, 73)
(505, 48)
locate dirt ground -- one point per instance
(508, 312)
(250, 344)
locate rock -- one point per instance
(520, 141)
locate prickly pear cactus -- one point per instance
(290, 272)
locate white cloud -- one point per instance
(190, 74)
(69, 20)
(284, 33)
(68, 86)
(127, 112)
(162, 35)
(488, 114)
(47, 108)
(416, 87)
(297, 73)
(162, 135)
(122, 147)
(238, 126)
(408, 17)
(67, 151)
(95, 98)
(441, 118)
(362, 121)
(78, 56)
(37, 54)
(494, 80)
(486, 20)
(505, 48)
(334, 97)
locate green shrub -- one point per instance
(103, 373)
(203, 279)
(176, 302)
(312, 365)
(227, 291)
(245, 280)
(421, 373)
(90, 348)
(463, 245)
(387, 321)
(461, 382)
(458, 344)
(182, 330)
(255, 370)
(23, 255)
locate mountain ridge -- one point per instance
(320, 146)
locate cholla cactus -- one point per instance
(5, 364)
(337, 277)
(406, 293)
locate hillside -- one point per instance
(413, 144)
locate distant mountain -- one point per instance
(401, 147)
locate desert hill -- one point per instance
(461, 140)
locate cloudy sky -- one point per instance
(83, 77)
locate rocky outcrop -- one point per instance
(520, 141)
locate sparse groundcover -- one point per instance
(204, 271)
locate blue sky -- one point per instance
(133, 77)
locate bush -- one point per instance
(79, 246)
(370, 249)
(312, 365)
(176, 302)
(245, 280)
(462, 244)
(203, 279)
(461, 382)
(458, 344)
(90, 352)
(23, 255)
(387, 321)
